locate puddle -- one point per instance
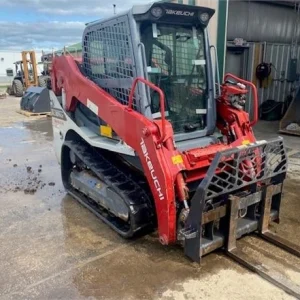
(52, 247)
(37, 131)
(42, 126)
(22, 146)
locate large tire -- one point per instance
(18, 88)
(43, 81)
(10, 91)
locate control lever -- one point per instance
(231, 82)
(240, 85)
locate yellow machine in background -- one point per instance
(26, 74)
(30, 69)
(28, 85)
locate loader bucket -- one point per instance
(36, 100)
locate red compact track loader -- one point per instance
(145, 139)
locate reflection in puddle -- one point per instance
(42, 126)
(37, 131)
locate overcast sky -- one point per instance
(47, 24)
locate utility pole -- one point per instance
(114, 5)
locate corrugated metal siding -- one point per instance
(279, 55)
(261, 22)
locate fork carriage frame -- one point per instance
(257, 199)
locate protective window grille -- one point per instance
(108, 60)
(175, 55)
(238, 168)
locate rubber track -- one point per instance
(118, 178)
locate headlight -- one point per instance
(156, 12)
(204, 17)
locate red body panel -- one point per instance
(152, 140)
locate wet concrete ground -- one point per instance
(53, 248)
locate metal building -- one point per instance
(265, 32)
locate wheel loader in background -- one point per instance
(145, 141)
(28, 85)
(26, 74)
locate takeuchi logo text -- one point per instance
(180, 13)
(152, 171)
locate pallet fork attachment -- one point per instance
(262, 207)
(272, 237)
(227, 179)
(242, 258)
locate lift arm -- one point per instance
(152, 140)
